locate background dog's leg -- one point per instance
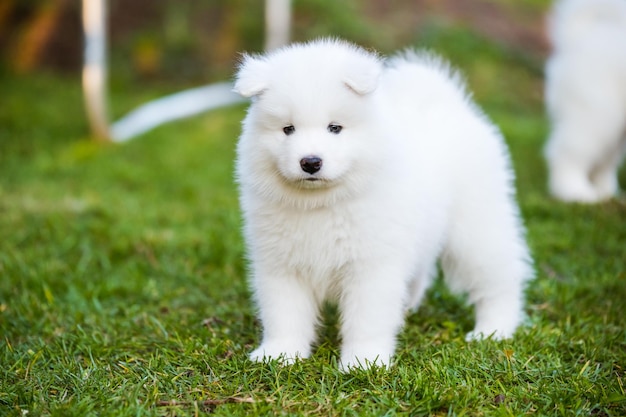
(604, 177)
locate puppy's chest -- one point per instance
(316, 239)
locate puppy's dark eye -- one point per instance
(289, 130)
(333, 128)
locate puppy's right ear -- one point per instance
(364, 74)
(252, 77)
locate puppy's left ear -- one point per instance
(363, 77)
(253, 76)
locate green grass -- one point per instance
(123, 289)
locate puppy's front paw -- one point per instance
(498, 317)
(494, 334)
(365, 358)
(285, 353)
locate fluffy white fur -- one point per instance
(586, 98)
(417, 173)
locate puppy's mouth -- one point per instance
(313, 182)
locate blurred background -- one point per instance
(189, 42)
(160, 47)
(122, 268)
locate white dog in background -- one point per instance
(586, 98)
(356, 174)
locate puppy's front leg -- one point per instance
(288, 313)
(372, 309)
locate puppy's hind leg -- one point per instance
(487, 258)
(418, 286)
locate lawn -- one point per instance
(123, 277)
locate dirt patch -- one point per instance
(513, 23)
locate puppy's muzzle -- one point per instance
(311, 164)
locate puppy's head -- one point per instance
(311, 115)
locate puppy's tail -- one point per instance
(573, 21)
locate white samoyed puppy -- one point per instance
(586, 98)
(356, 174)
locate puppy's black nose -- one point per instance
(311, 164)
